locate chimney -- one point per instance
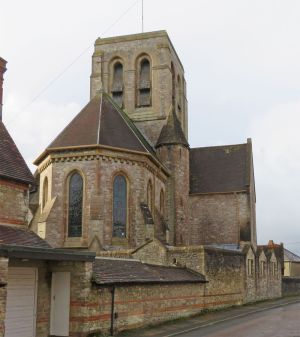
(2, 71)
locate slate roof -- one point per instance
(120, 271)
(220, 168)
(12, 164)
(172, 133)
(289, 256)
(101, 122)
(10, 235)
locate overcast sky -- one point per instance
(242, 64)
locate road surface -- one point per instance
(278, 322)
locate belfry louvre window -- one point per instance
(45, 192)
(75, 205)
(117, 84)
(144, 84)
(119, 206)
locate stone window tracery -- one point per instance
(119, 206)
(117, 83)
(144, 83)
(75, 205)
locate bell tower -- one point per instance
(144, 75)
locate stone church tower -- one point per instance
(143, 73)
(122, 173)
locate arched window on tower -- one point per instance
(179, 93)
(119, 206)
(173, 84)
(75, 205)
(144, 83)
(117, 83)
(45, 192)
(150, 196)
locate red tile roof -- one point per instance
(120, 271)
(102, 122)
(10, 235)
(220, 168)
(12, 164)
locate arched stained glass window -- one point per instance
(75, 205)
(119, 207)
(45, 192)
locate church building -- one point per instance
(138, 226)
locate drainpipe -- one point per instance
(112, 314)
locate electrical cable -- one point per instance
(70, 64)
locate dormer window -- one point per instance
(144, 83)
(117, 84)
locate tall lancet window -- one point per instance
(173, 84)
(45, 192)
(150, 196)
(144, 83)
(117, 84)
(119, 206)
(162, 203)
(75, 205)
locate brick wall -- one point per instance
(224, 272)
(176, 159)
(14, 203)
(290, 286)
(3, 292)
(218, 218)
(144, 305)
(98, 173)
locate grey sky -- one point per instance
(242, 70)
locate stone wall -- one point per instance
(14, 203)
(142, 305)
(291, 268)
(128, 50)
(218, 218)
(3, 292)
(262, 285)
(98, 172)
(290, 286)
(224, 271)
(176, 159)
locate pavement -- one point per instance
(213, 322)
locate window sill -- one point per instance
(74, 243)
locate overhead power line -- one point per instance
(59, 75)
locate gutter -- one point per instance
(50, 254)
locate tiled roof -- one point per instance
(121, 271)
(220, 168)
(12, 164)
(172, 133)
(10, 235)
(102, 122)
(289, 256)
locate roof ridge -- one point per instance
(216, 146)
(132, 126)
(71, 121)
(13, 164)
